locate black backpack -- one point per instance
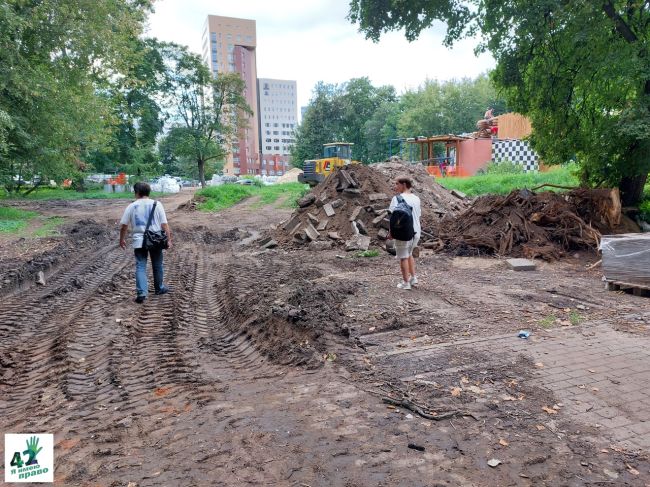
(401, 221)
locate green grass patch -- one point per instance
(495, 183)
(289, 192)
(574, 317)
(13, 220)
(217, 198)
(69, 194)
(548, 321)
(49, 227)
(367, 253)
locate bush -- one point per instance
(644, 210)
(505, 167)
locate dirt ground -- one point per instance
(298, 368)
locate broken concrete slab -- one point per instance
(334, 235)
(337, 203)
(321, 245)
(322, 225)
(346, 180)
(521, 264)
(355, 229)
(311, 232)
(377, 197)
(291, 223)
(329, 211)
(313, 218)
(306, 200)
(382, 234)
(355, 213)
(458, 194)
(358, 242)
(40, 278)
(377, 221)
(362, 228)
(295, 228)
(271, 244)
(353, 191)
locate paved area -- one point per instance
(602, 376)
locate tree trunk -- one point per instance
(202, 172)
(632, 189)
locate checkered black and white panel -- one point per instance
(515, 151)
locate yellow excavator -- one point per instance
(335, 154)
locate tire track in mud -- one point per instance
(44, 333)
(101, 384)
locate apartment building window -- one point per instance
(267, 140)
(276, 140)
(213, 36)
(230, 37)
(275, 132)
(268, 147)
(277, 147)
(267, 124)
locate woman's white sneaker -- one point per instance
(404, 285)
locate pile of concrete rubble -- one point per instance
(349, 209)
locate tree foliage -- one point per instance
(210, 111)
(371, 117)
(137, 118)
(580, 70)
(54, 56)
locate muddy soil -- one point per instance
(291, 367)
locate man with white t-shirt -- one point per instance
(404, 249)
(136, 215)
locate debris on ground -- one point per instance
(350, 207)
(533, 225)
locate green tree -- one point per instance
(210, 110)
(320, 124)
(450, 107)
(359, 101)
(137, 118)
(380, 128)
(54, 58)
(580, 70)
(338, 113)
(176, 153)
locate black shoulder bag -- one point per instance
(154, 240)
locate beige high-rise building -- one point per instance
(278, 107)
(229, 46)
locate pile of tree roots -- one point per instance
(534, 225)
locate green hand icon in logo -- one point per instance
(32, 450)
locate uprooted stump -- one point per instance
(533, 225)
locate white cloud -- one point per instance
(312, 41)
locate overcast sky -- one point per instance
(311, 40)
